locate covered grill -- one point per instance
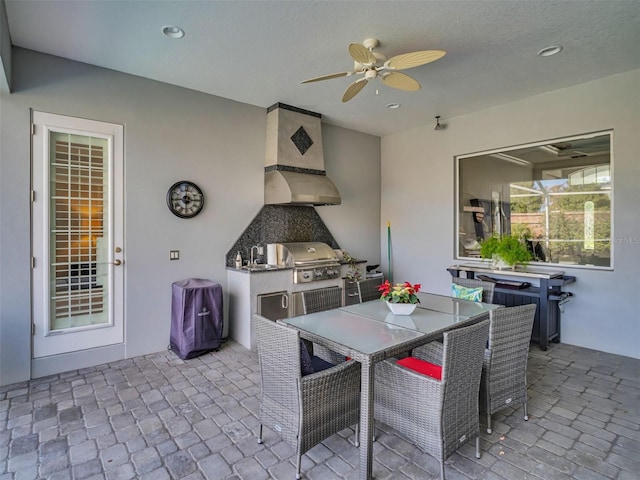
(311, 261)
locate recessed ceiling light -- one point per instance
(393, 105)
(173, 32)
(549, 51)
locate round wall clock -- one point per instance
(185, 199)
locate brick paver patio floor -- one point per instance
(158, 417)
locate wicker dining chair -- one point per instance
(438, 416)
(504, 370)
(303, 410)
(319, 300)
(433, 350)
(368, 290)
(487, 287)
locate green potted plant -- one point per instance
(508, 250)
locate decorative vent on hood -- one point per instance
(294, 161)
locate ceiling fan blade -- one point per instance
(413, 59)
(400, 81)
(353, 89)
(328, 77)
(361, 54)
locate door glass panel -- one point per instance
(78, 226)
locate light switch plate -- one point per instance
(174, 254)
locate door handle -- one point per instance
(117, 262)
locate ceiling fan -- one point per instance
(373, 65)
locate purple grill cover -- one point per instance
(196, 317)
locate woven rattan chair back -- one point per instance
(504, 381)
(317, 301)
(279, 357)
(368, 291)
(438, 416)
(321, 299)
(487, 287)
(303, 410)
(461, 370)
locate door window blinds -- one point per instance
(77, 205)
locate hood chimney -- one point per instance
(294, 160)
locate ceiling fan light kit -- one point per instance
(372, 65)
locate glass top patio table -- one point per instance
(353, 334)
(454, 306)
(367, 341)
(434, 314)
(369, 332)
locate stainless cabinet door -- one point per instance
(297, 305)
(274, 306)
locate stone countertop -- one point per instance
(262, 269)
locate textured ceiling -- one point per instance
(258, 52)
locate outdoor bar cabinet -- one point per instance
(522, 286)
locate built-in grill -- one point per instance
(311, 261)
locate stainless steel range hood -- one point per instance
(284, 187)
(294, 159)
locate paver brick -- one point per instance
(214, 466)
(83, 452)
(158, 474)
(180, 464)
(158, 417)
(624, 462)
(136, 444)
(546, 457)
(595, 464)
(24, 444)
(199, 450)
(249, 469)
(114, 456)
(146, 460)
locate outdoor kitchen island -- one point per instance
(273, 290)
(246, 288)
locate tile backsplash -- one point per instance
(280, 224)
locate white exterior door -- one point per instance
(77, 239)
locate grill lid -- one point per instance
(301, 254)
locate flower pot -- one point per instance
(498, 263)
(402, 308)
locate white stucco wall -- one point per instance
(352, 161)
(171, 134)
(418, 199)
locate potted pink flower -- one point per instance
(401, 298)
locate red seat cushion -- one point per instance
(420, 366)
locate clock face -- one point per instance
(185, 199)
